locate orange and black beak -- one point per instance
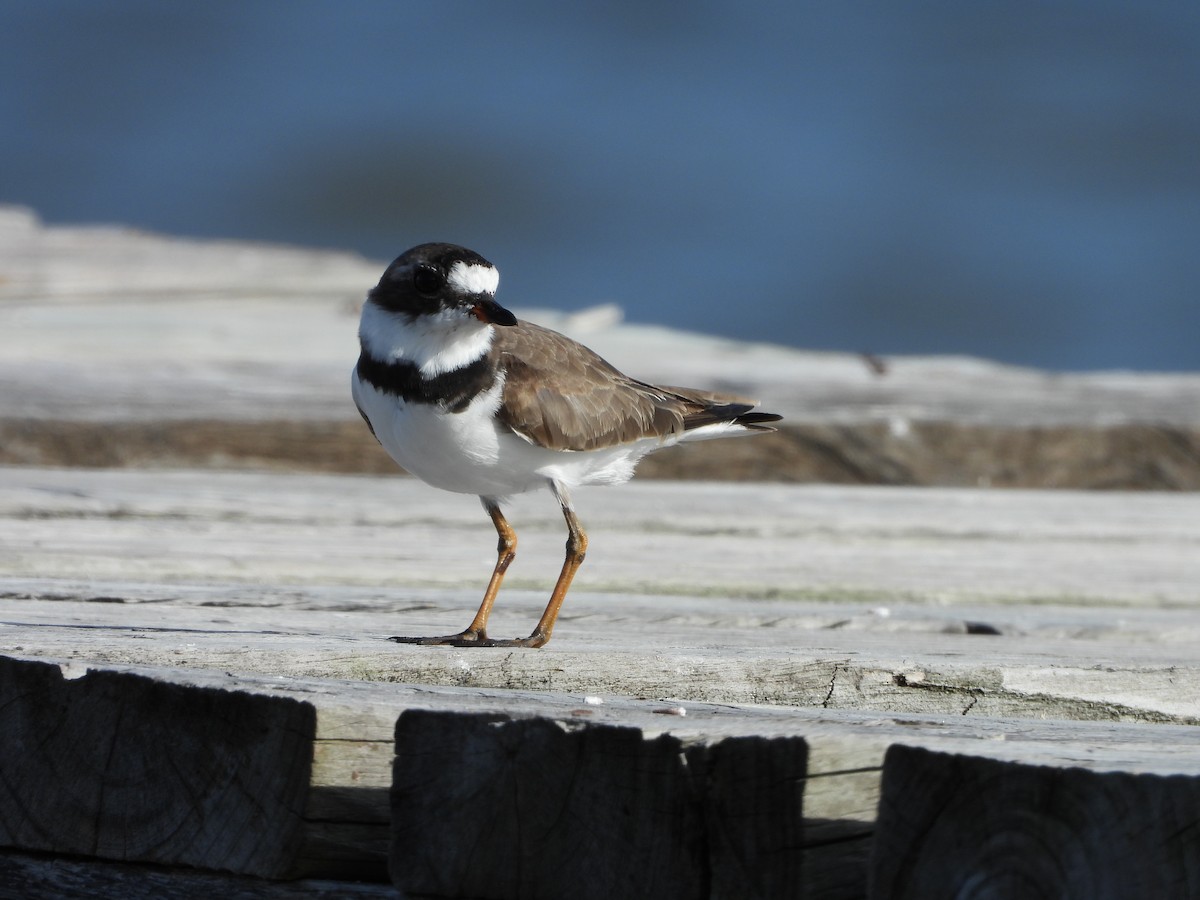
(493, 313)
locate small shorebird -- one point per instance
(470, 399)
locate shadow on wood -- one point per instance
(32, 876)
(529, 807)
(129, 768)
(953, 825)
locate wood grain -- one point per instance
(530, 808)
(592, 810)
(1067, 605)
(129, 768)
(783, 799)
(39, 877)
(954, 825)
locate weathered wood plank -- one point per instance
(976, 602)
(129, 768)
(772, 541)
(109, 293)
(527, 808)
(905, 672)
(536, 808)
(956, 824)
(38, 877)
(724, 763)
(86, 313)
(498, 774)
(752, 793)
(1132, 456)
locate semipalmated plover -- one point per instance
(470, 399)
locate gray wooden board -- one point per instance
(1060, 604)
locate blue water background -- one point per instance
(1016, 180)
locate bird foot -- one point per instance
(471, 639)
(462, 639)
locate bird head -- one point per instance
(440, 280)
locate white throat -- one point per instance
(442, 342)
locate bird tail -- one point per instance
(720, 413)
(757, 421)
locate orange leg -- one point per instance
(475, 634)
(576, 550)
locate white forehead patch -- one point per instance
(473, 278)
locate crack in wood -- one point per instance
(832, 685)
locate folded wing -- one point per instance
(560, 395)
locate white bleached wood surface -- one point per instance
(1077, 605)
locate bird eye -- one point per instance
(427, 280)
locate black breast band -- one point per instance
(453, 390)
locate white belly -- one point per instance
(469, 453)
(452, 451)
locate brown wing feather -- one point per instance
(560, 395)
